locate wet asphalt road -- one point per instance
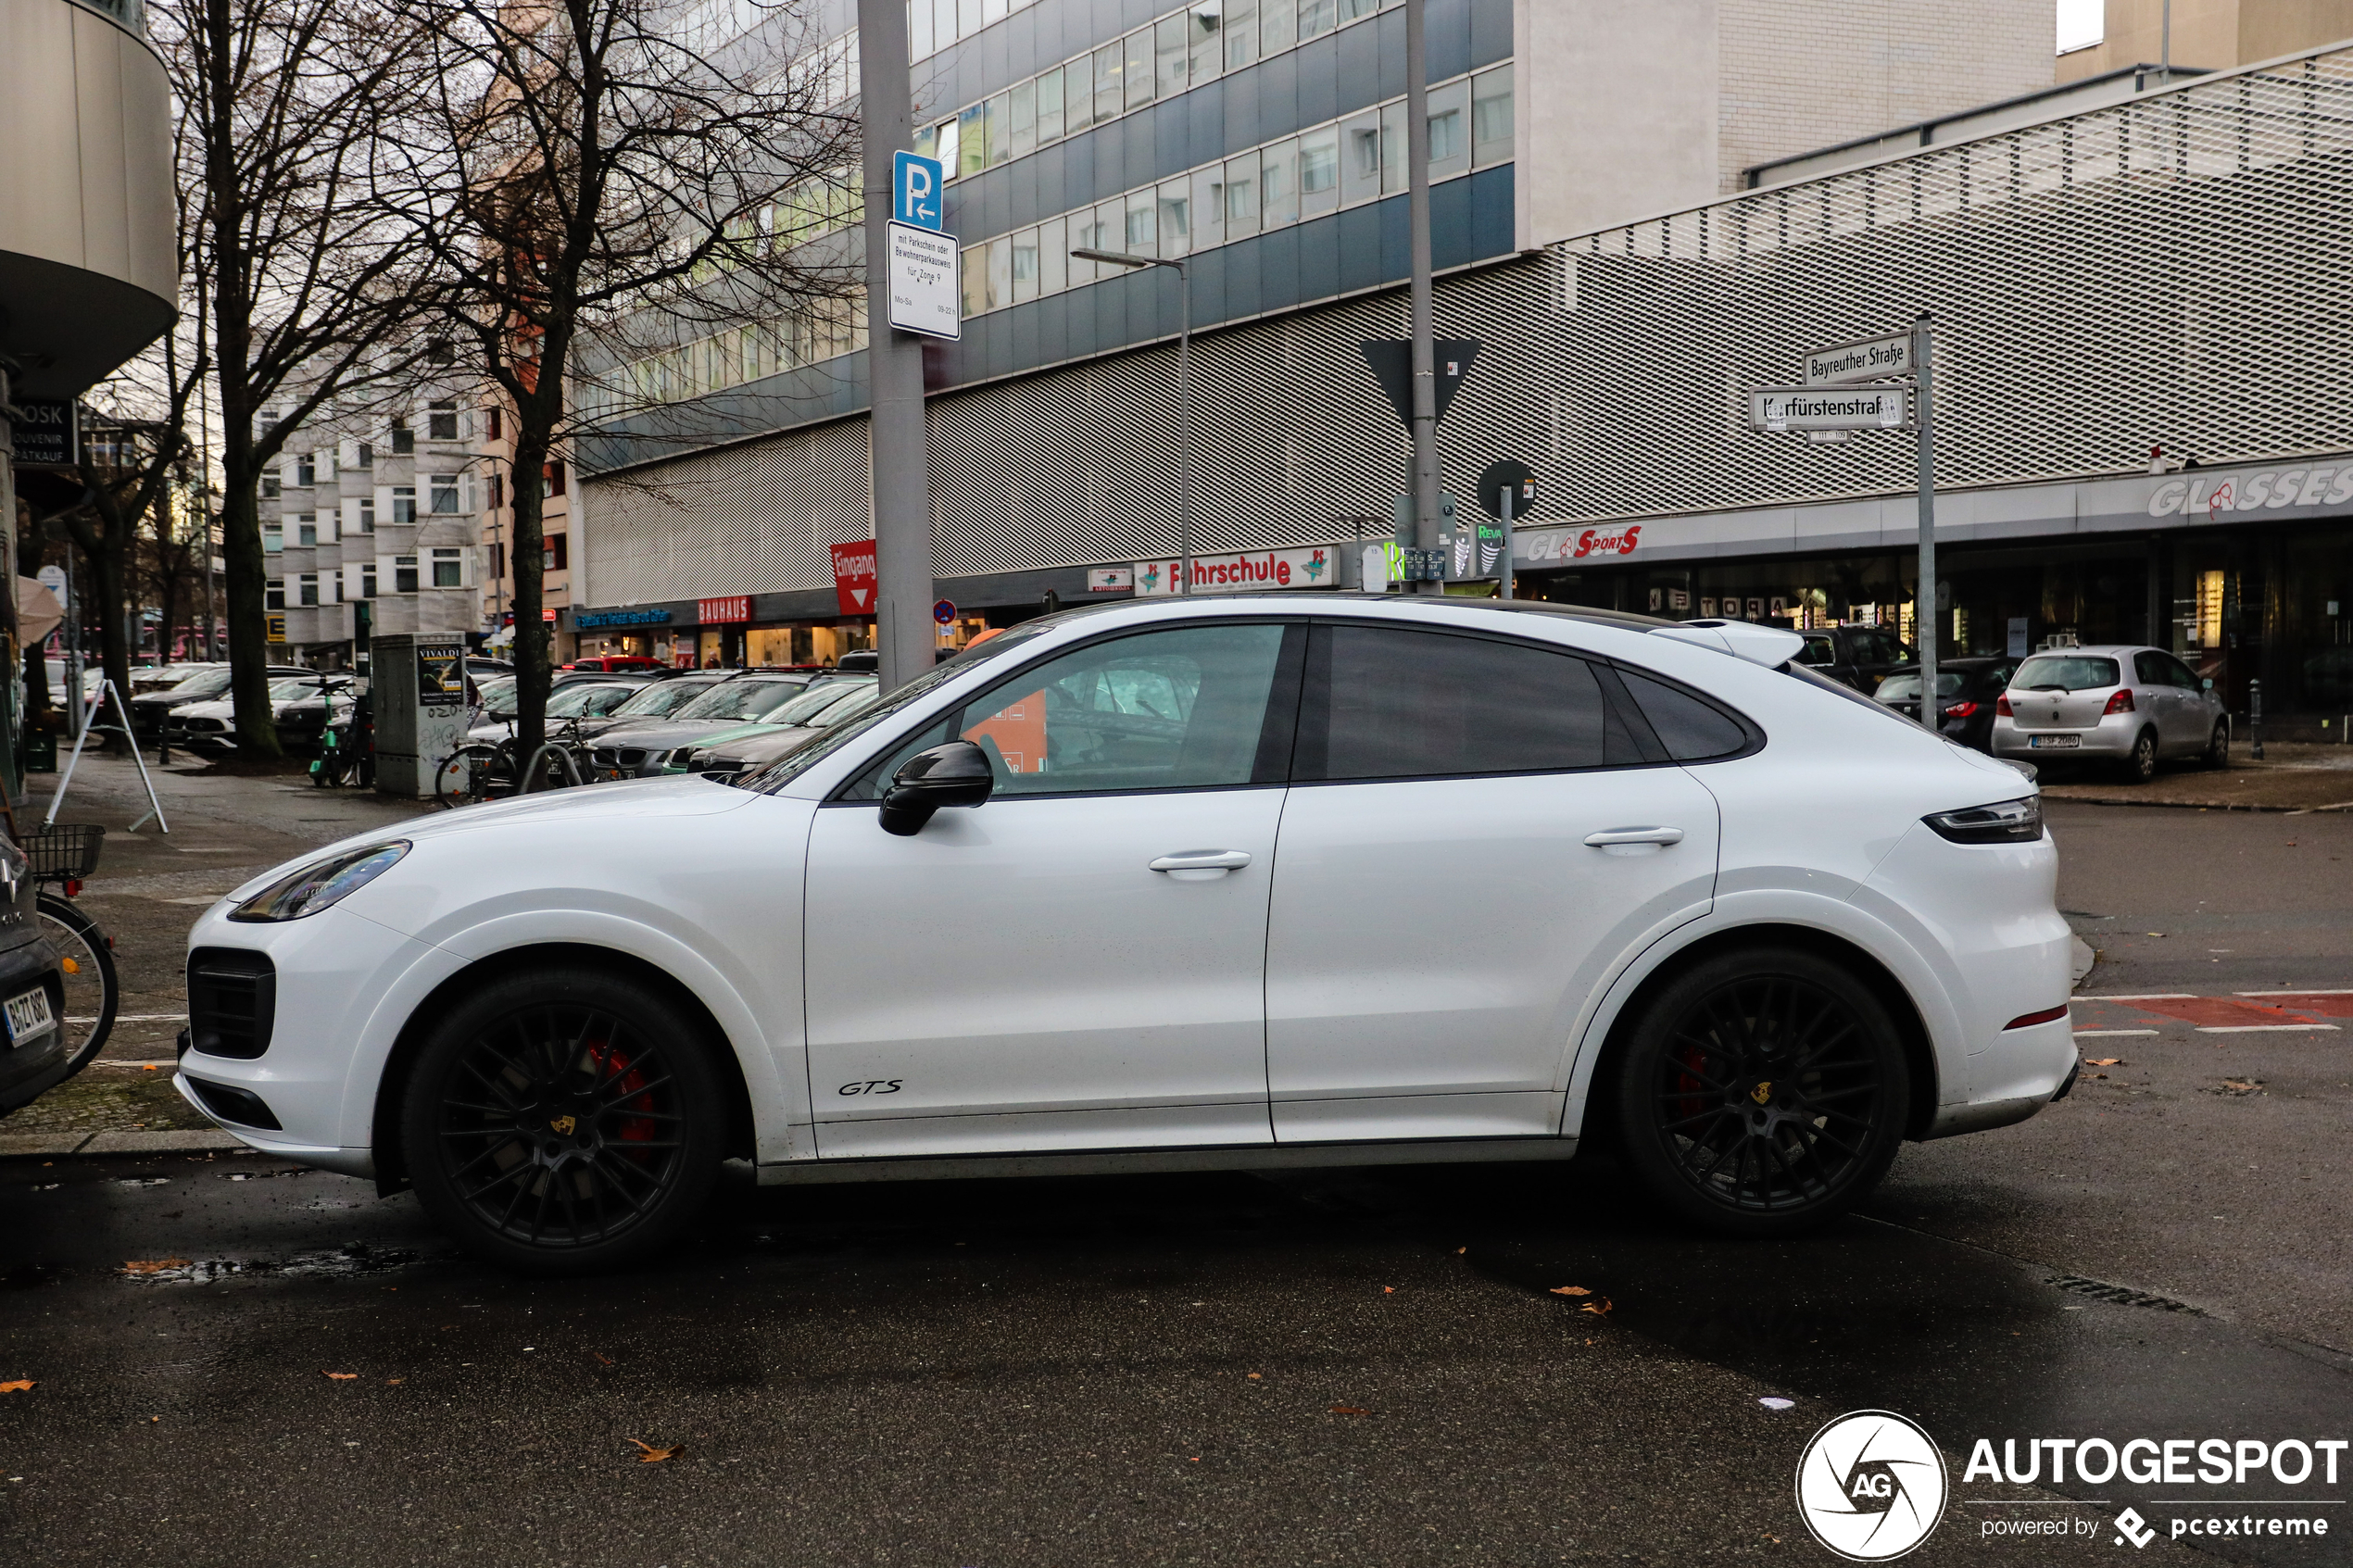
(996, 1372)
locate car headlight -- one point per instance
(321, 884)
(2005, 822)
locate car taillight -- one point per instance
(2002, 706)
(1960, 711)
(2121, 702)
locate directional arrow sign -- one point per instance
(854, 576)
(1801, 407)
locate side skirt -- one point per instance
(1246, 1157)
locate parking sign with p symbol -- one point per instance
(916, 191)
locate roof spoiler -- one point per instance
(1769, 645)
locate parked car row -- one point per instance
(2124, 705)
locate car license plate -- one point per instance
(29, 1015)
(2054, 742)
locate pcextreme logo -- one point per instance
(1871, 1486)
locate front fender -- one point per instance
(1759, 908)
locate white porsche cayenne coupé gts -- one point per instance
(1187, 884)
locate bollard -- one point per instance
(2254, 718)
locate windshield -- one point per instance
(807, 706)
(498, 697)
(742, 699)
(585, 698)
(662, 696)
(2065, 673)
(287, 691)
(1907, 687)
(847, 706)
(785, 769)
(204, 682)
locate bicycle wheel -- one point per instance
(474, 773)
(93, 994)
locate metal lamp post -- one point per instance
(1184, 397)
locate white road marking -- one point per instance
(2261, 1028)
(2109, 1033)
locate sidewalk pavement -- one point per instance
(2292, 776)
(225, 829)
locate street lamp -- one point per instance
(1184, 397)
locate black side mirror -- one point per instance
(954, 774)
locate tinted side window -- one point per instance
(1384, 703)
(2177, 672)
(2149, 670)
(1818, 650)
(1691, 730)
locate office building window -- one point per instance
(555, 556)
(494, 422)
(441, 421)
(273, 593)
(404, 575)
(270, 488)
(366, 579)
(274, 535)
(555, 476)
(445, 492)
(403, 440)
(306, 469)
(367, 514)
(404, 503)
(448, 567)
(307, 528)
(365, 455)
(498, 492)
(309, 588)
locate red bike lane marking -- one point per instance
(2214, 1011)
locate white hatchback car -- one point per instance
(2122, 704)
(1192, 884)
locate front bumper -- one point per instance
(30, 1070)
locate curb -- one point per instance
(2187, 805)
(166, 1141)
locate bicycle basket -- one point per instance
(57, 851)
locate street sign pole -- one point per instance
(1424, 421)
(1924, 601)
(1507, 542)
(898, 431)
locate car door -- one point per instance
(1078, 963)
(1473, 839)
(2200, 710)
(2154, 690)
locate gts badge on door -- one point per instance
(872, 1086)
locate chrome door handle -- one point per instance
(1610, 837)
(1202, 861)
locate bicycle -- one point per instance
(480, 770)
(347, 751)
(66, 856)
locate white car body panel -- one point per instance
(1433, 938)
(1071, 977)
(1068, 1000)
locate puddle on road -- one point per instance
(347, 1261)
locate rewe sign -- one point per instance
(854, 576)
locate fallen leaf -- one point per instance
(1460, 1250)
(148, 1069)
(1389, 1290)
(1256, 1377)
(1350, 1410)
(2105, 1061)
(1599, 1309)
(1570, 1290)
(602, 1356)
(396, 1379)
(1774, 1403)
(655, 1456)
(154, 1266)
(22, 1383)
(338, 1376)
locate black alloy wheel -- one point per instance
(563, 1120)
(2141, 766)
(2218, 747)
(1763, 1092)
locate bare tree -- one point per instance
(597, 178)
(307, 283)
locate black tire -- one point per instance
(2218, 747)
(2140, 766)
(93, 993)
(1763, 1092)
(475, 773)
(563, 1121)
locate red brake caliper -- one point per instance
(634, 1129)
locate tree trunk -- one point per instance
(246, 590)
(529, 484)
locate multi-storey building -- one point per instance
(372, 525)
(1262, 141)
(497, 532)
